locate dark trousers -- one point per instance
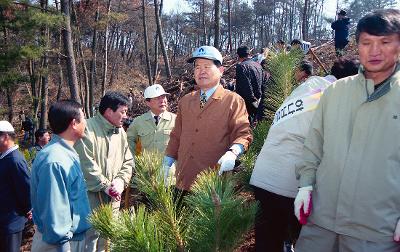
(275, 221)
(10, 242)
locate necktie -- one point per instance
(203, 100)
(156, 118)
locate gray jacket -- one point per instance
(352, 158)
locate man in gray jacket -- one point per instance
(349, 175)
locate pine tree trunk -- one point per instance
(58, 61)
(161, 38)
(229, 27)
(93, 62)
(203, 24)
(69, 52)
(146, 45)
(10, 104)
(155, 64)
(217, 24)
(105, 56)
(44, 79)
(304, 28)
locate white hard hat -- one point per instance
(206, 52)
(5, 126)
(153, 91)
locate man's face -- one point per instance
(299, 75)
(43, 140)
(379, 54)
(116, 117)
(80, 126)
(206, 73)
(3, 139)
(158, 104)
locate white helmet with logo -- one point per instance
(153, 91)
(206, 52)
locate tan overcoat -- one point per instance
(201, 136)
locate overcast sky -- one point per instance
(180, 5)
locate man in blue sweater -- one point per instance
(14, 190)
(58, 190)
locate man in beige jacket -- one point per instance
(212, 125)
(351, 157)
(106, 160)
(151, 130)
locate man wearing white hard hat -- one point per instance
(151, 130)
(212, 127)
(14, 190)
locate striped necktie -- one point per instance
(203, 100)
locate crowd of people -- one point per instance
(326, 178)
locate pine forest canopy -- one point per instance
(55, 49)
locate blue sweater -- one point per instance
(58, 193)
(14, 193)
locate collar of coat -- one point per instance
(374, 94)
(217, 95)
(15, 147)
(166, 115)
(107, 126)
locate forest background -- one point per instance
(80, 49)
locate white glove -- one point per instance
(256, 103)
(113, 194)
(227, 162)
(117, 185)
(303, 204)
(396, 236)
(166, 174)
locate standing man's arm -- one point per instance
(240, 132)
(95, 180)
(21, 181)
(334, 25)
(125, 173)
(132, 135)
(307, 168)
(312, 150)
(54, 210)
(240, 135)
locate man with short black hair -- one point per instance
(58, 190)
(348, 174)
(14, 190)
(42, 137)
(249, 80)
(106, 159)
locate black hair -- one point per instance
(12, 135)
(342, 13)
(216, 62)
(306, 66)
(113, 100)
(281, 42)
(295, 42)
(62, 113)
(379, 23)
(39, 133)
(345, 67)
(243, 51)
